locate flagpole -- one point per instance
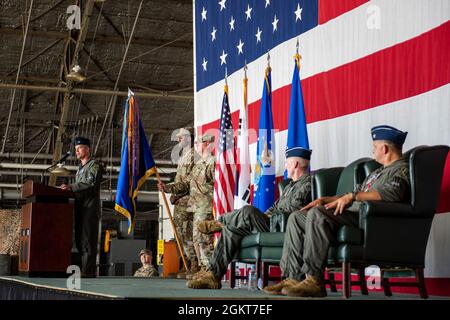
(226, 81)
(245, 87)
(177, 237)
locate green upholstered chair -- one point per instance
(396, 234)
(337, 181)
(265, 249)
(262, 244)
(258, 248)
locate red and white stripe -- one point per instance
(224, 182)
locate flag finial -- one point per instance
(245, 68)
(130, 93)
(268, 69)
(297, 55)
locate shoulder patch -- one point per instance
(404, 173)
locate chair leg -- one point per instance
(258, 268)
(362, 281)
(232, 274)
(386, 285)
(332, 281)
(346, 280)
(421, 283)
(265, 273)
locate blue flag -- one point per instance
(264, 184)
(136, 161)
(297, 131)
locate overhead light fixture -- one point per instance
(76, 75)
(60, 170)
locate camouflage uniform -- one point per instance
(201, 188)
(309, 235)
(146, 270)
(182, 218)
(87, 213)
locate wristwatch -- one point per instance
(354, 196)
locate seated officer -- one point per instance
(310, 231)
(147, 269)
(242, 222)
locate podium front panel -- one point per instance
(46, 238)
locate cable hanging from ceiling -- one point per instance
(112, 104)
(17, 77)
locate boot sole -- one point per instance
(274, 293)
(304, 295)
(277, 293)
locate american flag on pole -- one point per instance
(364, 63)
(225, 173)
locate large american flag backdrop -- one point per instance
(364, 63)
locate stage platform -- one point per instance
(125, 288)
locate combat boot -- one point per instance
(194, 268)
(277, 288)
(182, 274)
(209, 226)
(310, 287)
(207, 280)
(195, 275)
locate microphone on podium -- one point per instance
(63, 158)
(57, 168)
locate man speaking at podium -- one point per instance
(87, 205)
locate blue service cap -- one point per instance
(298, 152)
(388, 133)
(82, 140)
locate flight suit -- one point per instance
(310, 234)
(87, 213)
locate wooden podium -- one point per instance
(46, 230)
